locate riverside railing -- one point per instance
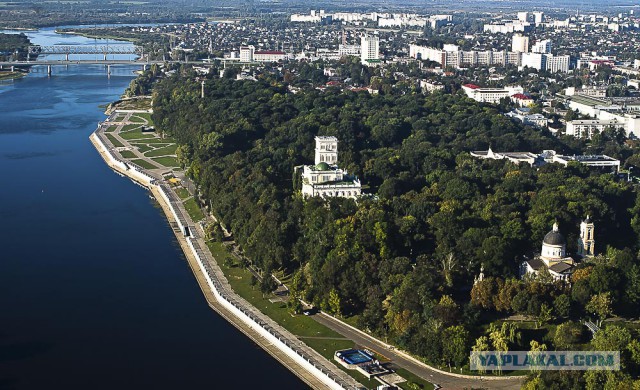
(220, 284)
(218, 280)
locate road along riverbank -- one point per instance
(303, 361)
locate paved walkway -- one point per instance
(223, 287)
(117, 134)
(265, 344)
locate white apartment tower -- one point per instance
(538, 17)
(542, 47)
(523, 16)
(247, 53)
(557, 63)
(369, 49)
(520, 43)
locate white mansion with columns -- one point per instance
(553, 256)
(324, 178)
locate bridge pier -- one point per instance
(12, 68)
(144, 67)
(49, 70)
(108, 70)
(105, 56)
(66, 57)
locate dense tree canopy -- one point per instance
(403, 259)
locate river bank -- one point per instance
(86, 34)
(11, 75)
(307, 364)
(106, 288)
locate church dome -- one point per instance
(554, 237)
(323, 166)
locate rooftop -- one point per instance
(269, 52)
(323, 167)
(520, 96)
(554, 237)
(587, 158)
(560, 267)
(593, 122)
(326, 138)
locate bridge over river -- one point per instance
(102, 51)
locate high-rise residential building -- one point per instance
(369, 49)
(541, 61)
(534, 60)
(348, 50)
(523, 16)
(557, 63)
(246, 53)
(520, 43)
(542, 47)
(452, 56)
(538, 17)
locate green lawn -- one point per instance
(146, 116)
(302, 326)
(182, 193)
(136, 119)
(422, 384)
(142, 147)
(127, 154)
(327, 348)
(164, 151)
(114, 141)
(156, 141)
(131, 127)
(169, 162)
(240, 280)
(111, 128)
(136, 134)
(144, 164)
(194, 210)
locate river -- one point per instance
(95, 293)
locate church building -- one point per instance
(553, 256)
(325, 178)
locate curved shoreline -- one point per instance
(304, 362)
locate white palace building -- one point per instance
(324, 178)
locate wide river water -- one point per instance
(94, 291)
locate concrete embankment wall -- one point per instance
(265, 331)
(230, 301)
(133, 171)
(218, 285)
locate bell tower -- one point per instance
(586, 242)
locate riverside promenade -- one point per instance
(303, 361)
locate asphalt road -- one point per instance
(421, 370)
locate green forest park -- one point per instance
(401, 262)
